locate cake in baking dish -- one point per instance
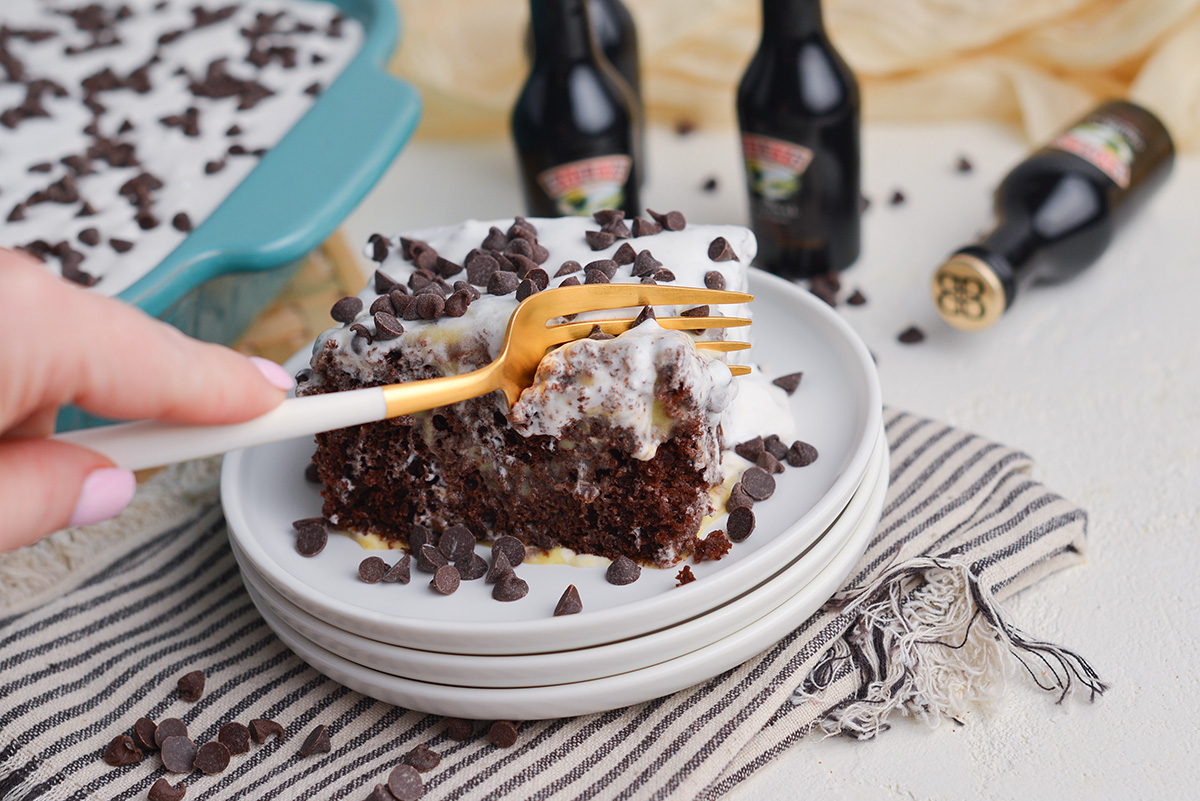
(613, 450)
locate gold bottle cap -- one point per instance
(967, 293)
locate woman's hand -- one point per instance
(64, 345)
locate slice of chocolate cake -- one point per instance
(613, 450)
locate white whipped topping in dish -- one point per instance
(95, 94)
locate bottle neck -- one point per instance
(791, 19)
(562, 31)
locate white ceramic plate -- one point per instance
(599, 695)
(589, 663)
(838, 409)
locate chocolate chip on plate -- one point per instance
(446, 579)
(500, 568)
(235, 737)
(511, 547)
(122, 751)
(623, 571)
(212, 758)
(404, 783)
(769, 463)
(143, 733)
(801, 454)
(570, 603)
(738, 499)
(775, 446)
(758, 483)
(178, 754)
(423, 758)
(372, 569)
(750, 449)
(457, 542)
(400, 573)
(789, 382)
(191, 686)
(263, 728)
(311, 540)
(171, 727)
(429, 559)
(510, 587)
(317, 742)
(472, 568)
(163, 790)
(740, 524)
(503, 733)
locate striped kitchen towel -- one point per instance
(964, 524)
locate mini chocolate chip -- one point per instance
(645, 264)
(213, 167)
(720, 250)
(143, 734)
(262, 728)
(178, 754)
(89, 236)
(472, 568)
(430, 307)
(191, 686)
(598, 334)
(606, 266)
(163, 790)
(511, 547)
(857, 298)
(420, 536)
(714, 280)
(387, 327)
(539, 278)
(568, 267)
(964, 165)
(618, 229)
(769, 463)
(665, 276)
(212, 758)
(672, 220)
(423, 758)
(570, 281)
(801, 454)
(313, 88)
(539, 255)
(446, 268)
(775, 446)
(518, 247)
(758, 483)
(502, 283)
(789, 382)
(625, 254)
(171, 727)
(235, 737)
(404, 783)
(911, 335)
(897, 198)
(457, 304)
(698, 311)
(18, 212)
(362, 332)
(503, 734)
(311, 540)
(346, 309)
(599, 240)
(750, 449)
(317, 742)
(740, 524)
(427, 259)
(312, 474)
(381, 304)
(570, 602)
(510, 588)
(429, 559)
(372, 569)
(644, 227)
(122, 751)
(401, 302)
(308, 521)
(459, 729)
(182, 222)
(596, 276)
(43, 166)
(384, 283)
(400, 573)
(495, 239)
(446, 579)
(379, 249)
(146, 221)
(684, 576)
(647, 313)
(457, 542)
(500, 568)
(738, 499)
(709, 185)
(623, 571)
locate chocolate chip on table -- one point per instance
(801, 454)
(503, 734)
(404, 783)
(672, 220)
(599, 240)
(789, 382)
(622, 571)
(346, 309)
(311, 540)
(768, 462)
(775, 446)
(738, 499)
(400, 573)
(758, 483)
(510, 587)
(714, 280)
(372, 569)
(720, 250)
(423, 758)
(459, 729)
(163, 790)
(235, 737)
(171, 727)
(457, 542)
(897, 198)
(178, 754)
(740, 524)
(122, 751)
(472, 568)
(317, 742)
(212, 758)
(262, 728)
(191, 686)
(684, 576)
(143, 734)
(446, 579)
(570, 603)
(857, 298)
(911, 335)
(750, 449)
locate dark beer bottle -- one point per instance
(798, 110)
(617, 36)
(1057, 211)
(576, 124)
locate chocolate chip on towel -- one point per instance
(163, 790)
(212, 758)
(235, 737)
(404, 783)
(623, 571)
(143, 733)
(503, 734)
(122, 751)
(372, 569)
(459, 729)
(758, 483)
(423, 758)
(191, 686)
(171, 727)
(317, 742)
(570, 603)
(262, 729)
(178, 754)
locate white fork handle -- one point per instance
(136, 446)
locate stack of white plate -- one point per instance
(467, 655)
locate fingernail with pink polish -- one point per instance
(106, 492)
(271, 371)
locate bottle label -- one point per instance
(773, 166)
(1101, 144)
(589, 185)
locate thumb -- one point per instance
(46, 485)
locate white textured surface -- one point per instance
(1098, 379)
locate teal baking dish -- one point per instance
(234, 263)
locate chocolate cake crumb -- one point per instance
(750, 449)
(191, 686)
(714, 546)
(212, 758)
(503, 734)
(317, 742)
(510, 587)
(570, 603)
(768, 462)
(622, 571)
(122, 751)
(446, 579)
(911, 335)
(235, 737)
(400, 573)
(459, 729)
(857, 298)
(263, 728)
(740, 524)
(178, 754)
(423, 758)
(372, 569)
(789, 382)
(404, 783)
(801, 454)
(163, 790)
(684, 576)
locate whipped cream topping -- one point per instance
(171, 46)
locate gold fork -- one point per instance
(529, 336)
